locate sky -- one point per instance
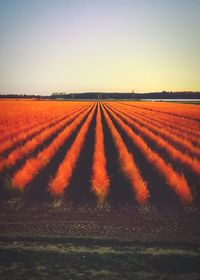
(51, 46)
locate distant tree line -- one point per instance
(23, 96)
(132, 95)
(105, 96)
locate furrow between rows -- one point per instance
(32, 166)
(174, 179)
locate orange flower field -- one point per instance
(138, 152)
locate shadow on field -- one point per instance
(22, 142)
(161, 194)
(79, 190)
(192, 179)
(120, 189)
(38, 149)
(37, 190)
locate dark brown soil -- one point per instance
(125, 222)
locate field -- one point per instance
(123, 171)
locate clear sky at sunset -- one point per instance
(99, 45)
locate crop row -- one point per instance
(186, 127)
(182, 111)
(131, 132)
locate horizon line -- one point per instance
(103, 92)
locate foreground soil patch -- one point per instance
(96, 259)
